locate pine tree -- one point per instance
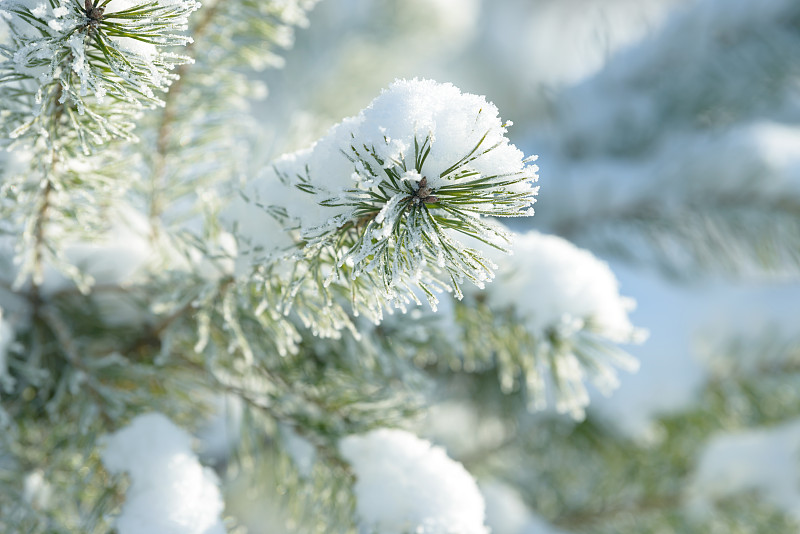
(160, 281)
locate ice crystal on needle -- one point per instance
(398, 185)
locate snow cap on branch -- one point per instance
(170, 492)
(403, 484)
(570, 306)
(555, 285)
(397, 185)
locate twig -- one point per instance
(170, 113)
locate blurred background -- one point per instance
(669, 140)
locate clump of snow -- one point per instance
(420, 149)
(569, 302)
(170, 491)
(455, 121)
(763, 460)
(403, 484)
(36, 490)
(405, 113)
(555, 285)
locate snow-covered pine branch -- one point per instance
(390, 196)
(556, 318)
(552, 322)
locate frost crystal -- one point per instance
(403, 484)
(170, 492)
(101, 64)
(398, 185)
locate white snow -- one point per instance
(555, 285)
(764, 460)
(403, 484)
(170, 491)
(36, 490)
(681, 319)
(407, 110)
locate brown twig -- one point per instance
(170, 112)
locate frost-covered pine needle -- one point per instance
(398, 189)
(90, 65)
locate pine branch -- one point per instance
(212, 98)
(735, 234)
(96, 56)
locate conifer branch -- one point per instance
(737, 234)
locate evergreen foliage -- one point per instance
(194, 339)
